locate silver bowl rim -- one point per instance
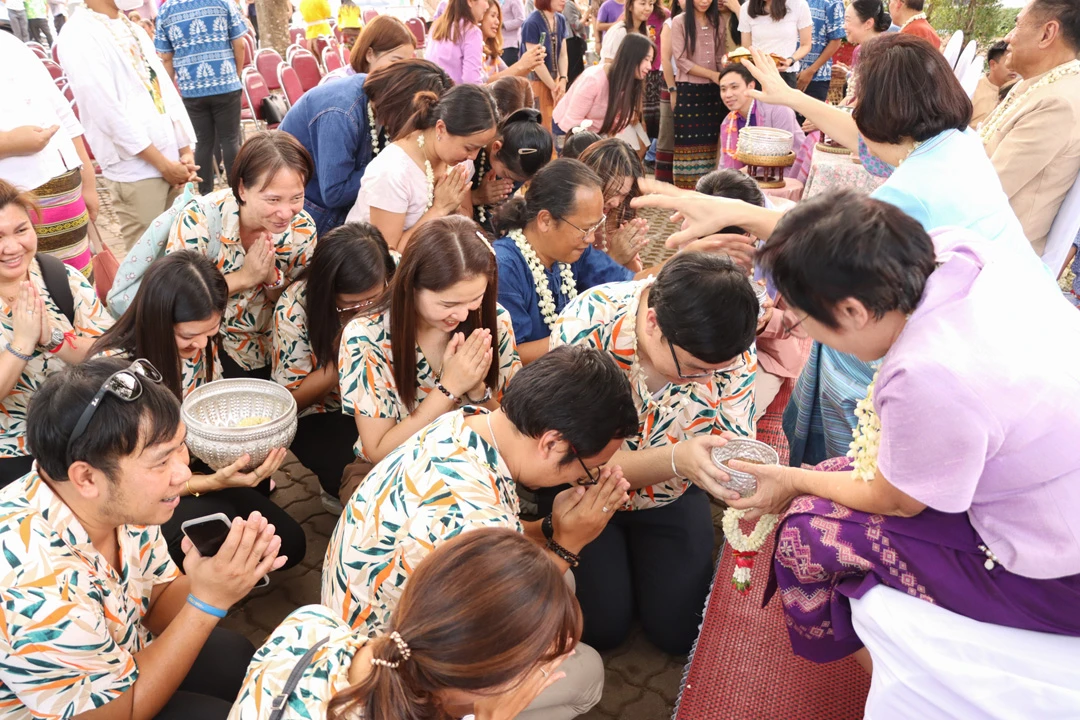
(734, 444)
(225, 385)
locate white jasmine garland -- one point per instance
(913, 18)
(866, 439)
(547, 300)
(745, 547)
(374, 130)
(1003, 112)
(428, 172)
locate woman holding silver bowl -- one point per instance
(964, 485)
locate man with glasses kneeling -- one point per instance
(686, 342)
(97, 620)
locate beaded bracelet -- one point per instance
(572, 559)
(442, 388)
(481, 401)
(22, 356)
(206, 607)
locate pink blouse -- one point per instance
(708, 50)
(587, 99)
(461, 60)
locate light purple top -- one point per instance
(461, 60)
(763, 115)
(609, 12)
(513, 15)
(978, 400)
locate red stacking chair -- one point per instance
(290, 83)
(370, 14)
(417, 26)
(296, 35)
(331, 59)
(307, 68)
(266, 62)
(255, 88)
(54, 69)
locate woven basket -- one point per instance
(830, 149)
(766, 160)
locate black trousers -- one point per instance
(40, 31)
(324, 445)
(655, 565)
(575, 59)
(510, 55)
(13, 468)
(231, 369)
(235, 502)
(216, 119)
(214, 681)
(819, 90)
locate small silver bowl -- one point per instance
(747, 450)
(762, 296)
(213, 411)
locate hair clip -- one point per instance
(487, 242)
(585, 125)
(526, 151)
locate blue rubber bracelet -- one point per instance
(206, 608)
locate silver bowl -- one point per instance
(743, 449)
(212, 412)
(762, 295)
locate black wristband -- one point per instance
(571, 559)
(547, 526)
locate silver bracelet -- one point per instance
(16, 353)
(674, 470)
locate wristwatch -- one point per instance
(672, 89)
(56, 339)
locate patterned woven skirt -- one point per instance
(654, 83)
(665, 140)
(827, 553)
(697, 131)
(62, 231)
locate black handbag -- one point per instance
(273, 109)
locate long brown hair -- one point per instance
(383, 34)
(449, 26)
(479, 614)
(626, 94)
(441, 253)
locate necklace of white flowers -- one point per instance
(546, 300)
(1004, 111)
(913, 18)
(373, 130)
(428, 172)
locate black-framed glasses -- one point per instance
(738, 364)
(592, 229)
(124, 384)
(592, 477)
(789, 328)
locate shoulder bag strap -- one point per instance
(54, 274)
(277, 707)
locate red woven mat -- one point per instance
(742, 667)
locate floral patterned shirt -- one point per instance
(71, 622)
(365, 364)
(192, 370)
(324, 676)
(293, 357)
(247, 325)
(441, 482)
(91, 320)
(600, 318)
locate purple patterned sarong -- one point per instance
(827, 553)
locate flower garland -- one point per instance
(547, 300)
(732, 129)
(913, 18)
(745, 547)
(373, 130)
(428, 172)
(481, 160)
(865, 442)
(1002, 112)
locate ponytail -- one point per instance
(464, 109)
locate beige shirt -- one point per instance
(984, 100)
(1036, 153)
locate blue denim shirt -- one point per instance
(331, 122)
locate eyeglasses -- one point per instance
(788, 328)
(124, 384)
(593, 478)
(592, 229)
(738, 364)
(362, 305)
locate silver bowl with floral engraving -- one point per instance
(746, 450)
(762, 297)
(227, 418)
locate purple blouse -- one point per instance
(462, 60)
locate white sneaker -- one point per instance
(331, 503)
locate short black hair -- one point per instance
(847, 245)
(577, 391)
(1066, 12)
(740, 70)
(705, 304)
(579, 142)
(554, 188)
(733, 184)
(119, 428)
(995, 51)
(907, 90)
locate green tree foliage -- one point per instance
(983, 20)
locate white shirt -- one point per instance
(119, 115)
(612, 40)
(14, 5)
(780, 37)
(394, 183)
(32, 98)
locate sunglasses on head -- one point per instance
(124, 384)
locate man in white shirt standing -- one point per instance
(42, 150)
(132, 113)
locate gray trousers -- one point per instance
(20, 26)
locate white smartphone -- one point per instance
(208, 533)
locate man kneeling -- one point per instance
(98, 623)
